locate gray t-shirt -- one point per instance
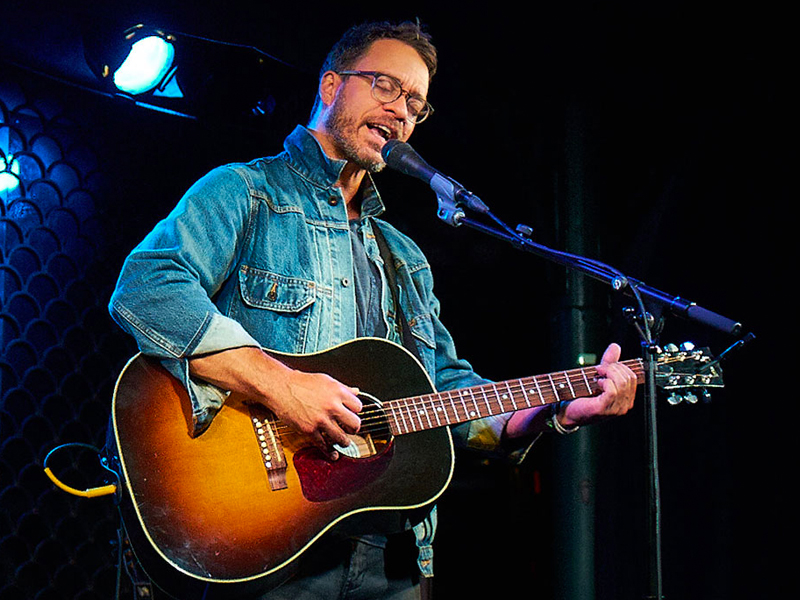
(367, 281)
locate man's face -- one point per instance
(360, 125)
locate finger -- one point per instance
(612, 354)
(331, 436)
(619, 386)
(348, 421)
(337, 433)
(352, 402)
(616, 371)
(325, 446)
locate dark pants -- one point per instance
(352, 570)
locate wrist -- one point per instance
(554, 424)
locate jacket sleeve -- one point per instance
(163, 296)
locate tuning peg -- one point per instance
(687, 346)
(690, 397)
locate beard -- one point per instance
(343, 129)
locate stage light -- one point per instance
(147, 66)
(191, 76)
(137, 62)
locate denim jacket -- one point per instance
(259, 254)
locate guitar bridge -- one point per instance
(272, 455)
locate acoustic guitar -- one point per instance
(227, 513)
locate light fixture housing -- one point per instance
(192, 76)
(137, 61)
(148, 66)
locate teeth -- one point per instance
(384, 131)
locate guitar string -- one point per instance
(376, 419)
(415, 409)
(416, 406)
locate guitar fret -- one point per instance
(591, 384)
(459, 413)
(486, 400)
(569, 383)
(477, 411)
(407, 420)
(421, 415)
(524, 393)
(539, 390)
(511, 396)
(403, 414)
(499, 399)
(393, 422)
(436, 410)
(443, 408)
(450, 410)
(586, 381)
(432, 414)
(553, 385)
(453, 407)
(423, 412)
(464, 405)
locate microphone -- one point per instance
(401, 157)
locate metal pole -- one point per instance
(575, 336)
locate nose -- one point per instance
(400, 108)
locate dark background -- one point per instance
(671, 122)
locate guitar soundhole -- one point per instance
(374, 435)
(359, 464)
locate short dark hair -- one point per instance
(357, 40)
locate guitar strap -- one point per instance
(391, 275)
(425, 530)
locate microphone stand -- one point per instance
(454, 199)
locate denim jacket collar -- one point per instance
(309, 159)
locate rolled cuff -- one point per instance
(487, 436)
(222, 333)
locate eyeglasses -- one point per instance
(387, 89)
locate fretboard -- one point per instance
(441, 409)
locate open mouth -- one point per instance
(382, 130)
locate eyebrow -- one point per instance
(411, 92)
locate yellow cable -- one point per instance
(105, 490)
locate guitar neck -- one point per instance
(440, 409)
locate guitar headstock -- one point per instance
(685, 370)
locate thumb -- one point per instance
(612, 354)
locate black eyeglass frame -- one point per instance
(427, 109)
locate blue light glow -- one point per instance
(148, 62)
(9, 180)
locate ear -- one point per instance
(328, 86)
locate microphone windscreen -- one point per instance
(389, 147)
(402, 157)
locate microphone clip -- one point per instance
(453, 199)
(452, 196)
(449, 210)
